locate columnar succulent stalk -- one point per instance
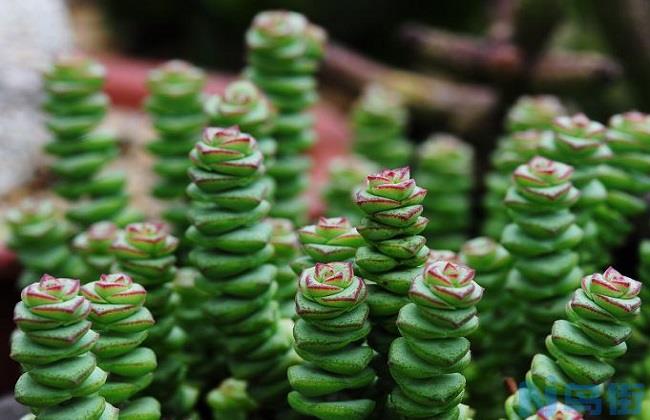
(39, 239)
(61, 378)
(145, 252)
(446, 169)
(118, 315)
(333, 382)
(330, 240)
(230, 401)
(284, 50)
(76, 106)
(379, 121)
(175, 106)
(526, 122)
(542, 240)
(497, 336)
(579, 142)
(244, 105)
(345, 174)
(627, 176)
(395, 252)
(94, 246)
(285, 250)
(427, 360)
(581, 347)
(232, 250)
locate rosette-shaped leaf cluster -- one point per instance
(39, 239)
(579, 142)
(94, 246)
(233, 251)
(526, 123)
(427, 360)
(244, 105)
(76, 106)
(581, 348)
(345, 174)
(285, 250)
(542, 239)
(175, 106)
(627, 176)
(396, 252)
(118, 315)
(331, 239)
(53, 344)
(284, 50)
(556, 411)
(446, 169)
(334, 381)
(145, 252)
(497, 336)
(442, 255)
(379, 121)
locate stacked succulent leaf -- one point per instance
(118, 315)
(284, 50)
(76, 106)
(345, 174)
(61, 378)
(379, 121)
(176, 108)
(427, 360)
(145, 252)
(581, 347)
(232, 250)
(333, 382)
(446, 170)
(395, 252)
(285, 250)
(94, 246)
(39, 239)
(542, 239)
(579, 142)
(525, 124)
(497, 335)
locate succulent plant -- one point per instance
(379, 121)
(329, 335)
(230, 401)
(395, 250)
(39, 239)
(94, 246)
(442, 255)
(330, 240)
(581, 348)
(233, 251)
(145, 252)
(446, 169)
(497, 335)
(175, 106)
(76, 106)
(525, 124)
(118, 314)
(285, 250)
(284, 50)
(579, 142)
(345, 174)
(556, 411)
(244, 105)
(542, 239)
(427, 360)
(61, 378)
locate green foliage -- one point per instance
(334, 380)
(345, 175)
(94, 247)
(76, 107)
(582, 347)
(118, 315)
(53, 343)
(427, 360)
(445, 168)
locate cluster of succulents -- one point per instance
(368, 312)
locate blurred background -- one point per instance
(459, 65)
